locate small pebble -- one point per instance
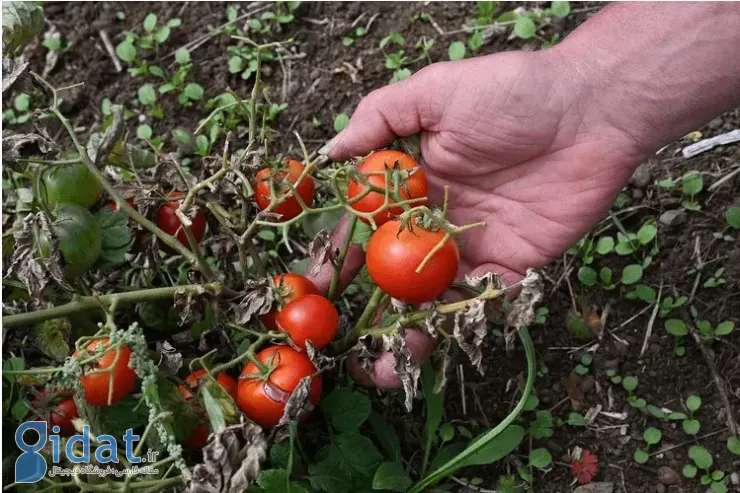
(641, 177)
(659, 488)
(672, 218)
(588, 384)
(668, 476)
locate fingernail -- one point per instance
(324, 151)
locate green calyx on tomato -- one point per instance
(80, 239)
(73, 184)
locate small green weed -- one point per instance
(651, 436)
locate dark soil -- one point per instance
(331, 79)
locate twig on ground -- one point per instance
(109, 48)
(649, 330)
(687, 442)
(731, 422)
(461, 379)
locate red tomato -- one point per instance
(58, 409)
(393, 256)
(289, 287)
(96, 385)
(263, 400)
(168, 221)
(289, 208)
(199, 435)
(310, 317)
(112, 204)
(414, 187)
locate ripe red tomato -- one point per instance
(199, 436)
(96, 385)
(414, 187)
(310, 317)
(112, 204)
(263, 400)
(393, 256)
(289, 208)
(168, 221)
(57, 409)
(289, 287)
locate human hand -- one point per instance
(519, 142)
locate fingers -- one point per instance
(353, 262)
(384, 114)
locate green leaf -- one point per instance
(676, 327)
(330, 475)
(692, 183)
(386, 435)
(652, 435)
(202, 144)
(266, 234)
(215, 414)
(531, 403)
(182, 56)
(182, 135)
(577, 326)
(605, 245)
(126, 51)
(691, 426)
(150, 21)
(733, 445)
(733, 217)
(194, 91)
(174, 22)
(605, 274)
(629, 383)
(724, 328)
(235, 64)
(631, 274)
(524, 27)
(541, 427)
(540, 458)
(576, 419)
(144, 132)
(645, 293)
(22, 102)
(113, 229)
(434, 404)
(456, 51)
(350, 445)
(165, 88)
(498, 448)
(162, 34)
(560, 9)
(646, 233)
(400, 74)
(157, 71)
(13, 364)
(147, 96)
(693, 403)
(587, 276)
(689, 471)
(348, 41)
(640, 456)
(346, 408)
(20, 409)
(701, 457)
(362, 234)
(21, 22)
(276, 481)
(718, 487)
(340, 122)
(390, 476)
(314, 223)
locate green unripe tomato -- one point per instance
(80, 240)
(73, 184)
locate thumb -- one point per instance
(384, 114)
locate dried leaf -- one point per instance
(112, 135)
(12, 69)
(434, 322)
(366, 351)
(257, 301)
(603, 487)
(487, 279)
(320, 361)
(400, 307)
(441, 377)
(51, 336)
(21, 145)
(170, 359)
(298, 403)
(470, 330)
(405, 367)
(522, 310)
(187, 305)
(170, 173)
(232, 460)
(320, 251)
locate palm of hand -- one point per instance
(538, 168)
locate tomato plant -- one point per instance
(413, 187)
(394, 254)
(288, 287)
(73, 184)
(115, 366)
(170, 223)
(310, 317)
(290, 207)
(58, 409)
(263, 397)
(80, 239)
(199, 436)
